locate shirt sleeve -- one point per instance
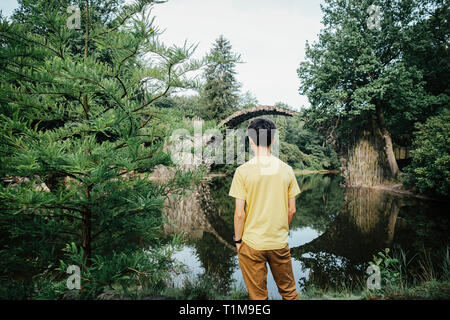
(293, 188)
(237, 189)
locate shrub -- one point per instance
(429, 170)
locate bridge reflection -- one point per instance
(365, 225)
(353, 224)
(195, 213)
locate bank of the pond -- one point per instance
(427, 290)
(205, 289)
(398, 188)
(213, 175)
(307, 171)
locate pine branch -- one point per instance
(24, 207)
(158, 96)
(123, 86)
(29, 40)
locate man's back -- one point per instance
(268, 187)
(265, 183)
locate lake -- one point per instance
(336, 231)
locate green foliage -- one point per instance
(189, 106)
(353, 69)
(429, 170)
(383, 80)
(247, 100)
(399, 281)
(128, 272)
(316, 153)
(299, 146)
(220, 91)
(80, 138)
(388, 268)
(292, 155)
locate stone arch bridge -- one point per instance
(242, 115)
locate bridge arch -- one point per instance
(242, 115)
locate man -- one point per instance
(267, 186)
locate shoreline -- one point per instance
(308, 171)
(397, 189)
(393, 188)
(296, 172)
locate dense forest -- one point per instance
(87, 112)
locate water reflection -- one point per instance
(334, 234)
(209, 231)
(365, 225)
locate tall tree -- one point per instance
(220, 91)
(359, 84)
(428, 51)
(80, 137)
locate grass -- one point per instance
(312, 293)
(428, 290)
(204, 288)
(403, 278)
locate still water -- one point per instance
(334, 234)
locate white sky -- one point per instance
(269, 35)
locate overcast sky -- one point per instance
(269, 35)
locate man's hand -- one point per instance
(239, 220)
(291, 209)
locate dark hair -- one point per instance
(261, 131)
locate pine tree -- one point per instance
(220, 91)
(80, 137)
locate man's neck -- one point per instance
(262, 152)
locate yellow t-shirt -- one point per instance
(265, 183)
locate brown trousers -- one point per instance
(254, 271)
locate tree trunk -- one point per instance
(362, 162)
(86, 228)
(368, 158)
(86, 239)
(386, 136)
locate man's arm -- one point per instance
(239, 220)
(291, 209)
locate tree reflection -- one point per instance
(208, 224)
(354, 224)
(327, 270)
(364, 226)
(217, 260)
(319, 203)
